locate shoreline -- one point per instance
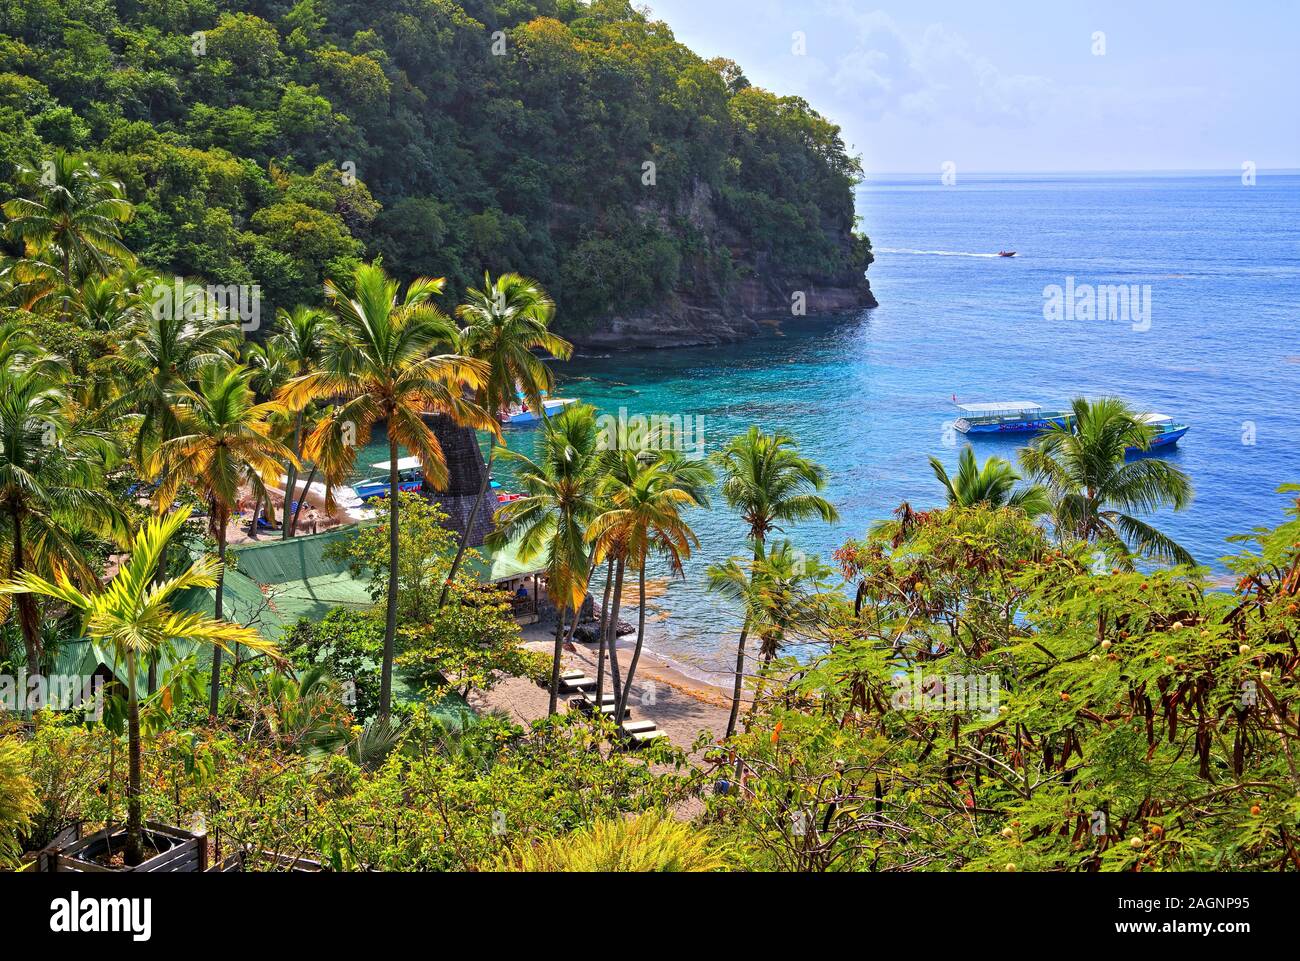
(682, 706)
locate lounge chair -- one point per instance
(637, 727)
(576, 683)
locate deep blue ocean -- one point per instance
(870, 395)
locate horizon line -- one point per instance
(1225, 171)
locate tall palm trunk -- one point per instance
(740, 679)
(291, 477)
(640, 640)
(611, 636)
(134, 821)
(469, 525)
(29, 618)
(555, 660)
(311, 476)
(214, 688)
(159, 576)
(757, 535)
(390, 622)
(600, 634)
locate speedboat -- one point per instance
(410, 478)
(521, 413)
(1008, 417)
(1165, 432)
(1006, 253)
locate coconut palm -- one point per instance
(223, 442)
(647, 495)
(379, 365)
(298, 345)
(504, 322)
(51, 469)
(991, 485)
(133, 616)
(769, 483)
(782, 590)
(1094, 488)
(160, 358)
(551, 518)
(67, 217)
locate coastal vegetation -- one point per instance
(281, 144)
(1027, 676)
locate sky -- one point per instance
(1025, 85)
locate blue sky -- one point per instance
(1014, 85)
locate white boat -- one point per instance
(410, 477)
(520, 413)
(1008, 417)
(1166, 431)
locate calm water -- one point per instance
(870, 396)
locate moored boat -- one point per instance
(521, 413)
(1166, 432)
(1008, 417)
(410, 478)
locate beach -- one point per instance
(682, 706)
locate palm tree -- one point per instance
(379, 364)
(134, 617)
(1093, 488)
(769, 483)
(647, 495)
(299, 345)
(223, 442)
(67, 218)
(783, 592)
(552, 517)
(992, 485)
(504, 323)
(51, 468)
(160, 358)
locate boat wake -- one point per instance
(929, 253)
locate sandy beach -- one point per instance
(682, 706)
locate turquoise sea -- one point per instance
(870, 395)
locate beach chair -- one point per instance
(637, 727)
(578, 683)
(607, 710)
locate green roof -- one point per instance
(506, 563)
(271, 584)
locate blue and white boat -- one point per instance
(520, 413)
(1008, 417)
(1166, 432)
(410, 478)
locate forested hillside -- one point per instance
(277, 143)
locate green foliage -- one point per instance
(1065, 719)
(18, 802)
(350, 644)
(647, 843)
(425, 549)
(251, 140)
(443, 800)
(471, 643)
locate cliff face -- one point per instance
(683, 323)
(762, 290)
